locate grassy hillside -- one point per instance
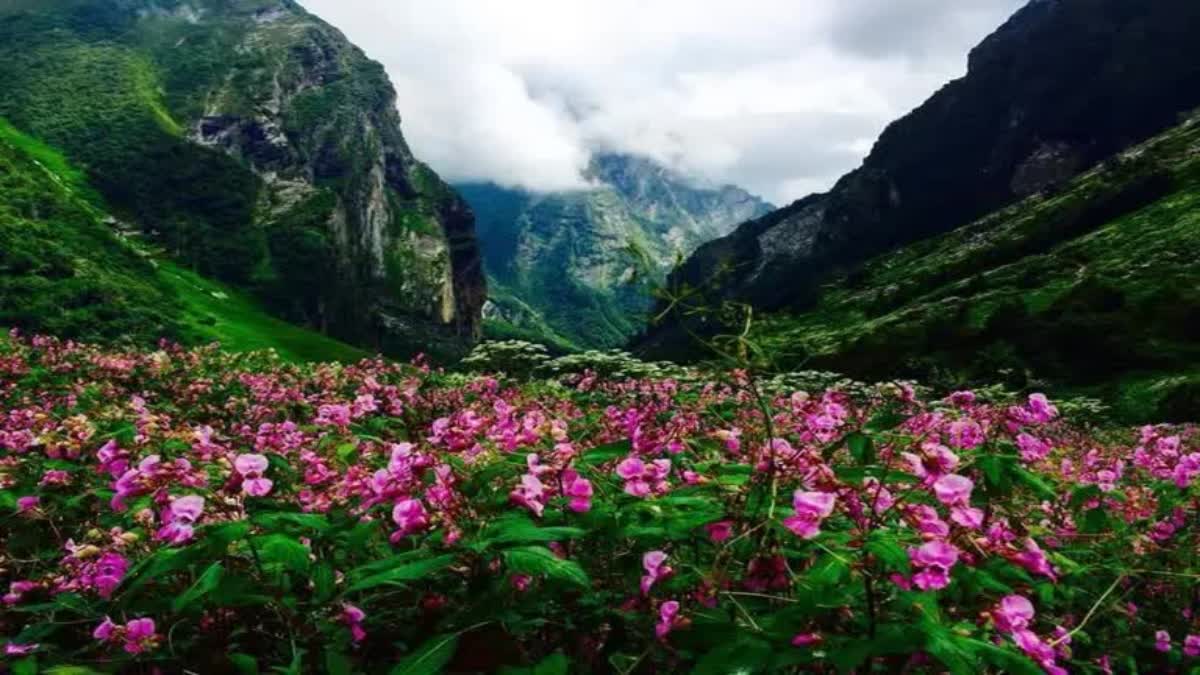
(1091, 286)
(216, 312)
(64, 271)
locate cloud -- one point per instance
(778, 96)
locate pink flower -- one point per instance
(137, 636)
(1032, 449)
(968, 517)
(28, 503)
(1014, 612)
(962, 399)
(720, 530)
(812, 508)
(521, 582)
(353, 617)
(17, 590)
(1034, 647)
(252, 467)
(105, 630)
(179, 519)
(643, 479)
(1191, 646)
(652, 562)
(187, 508)
(934, 559)
(806, 639)
(1041, 408)
(631, 468)
(578, 491)
(668, 615)
(1162, 641)
(18, 649)
(953, 489)
(1034, 559)
(531, 494)
(966, 434)
(410, 515)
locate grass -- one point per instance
(216, 312)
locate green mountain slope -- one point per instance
(1094, 287)
(1059, 87)
(258, 146)
(574, 268)
(65, 270)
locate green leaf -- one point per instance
(283, 550)
(890, 553)
(337, 663)
(430, 658)
(828, 571)
(606, 453)
(741, 655)
(885, 420)
(537, 560)
(160, 564)
(397, 575)
(944, 646)
(1040, 487)
(279, 520)
(244, 663)
(555, 664)
(25, 666)
(862, 448)
(519, 529)
(1007, 660)
(203, 586)
(71, 670)
(324, 581)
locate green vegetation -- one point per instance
(64, 271)
(245, 138)
(1090, 286)
(216, 312)
(104, 107)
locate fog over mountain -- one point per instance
(756, 94)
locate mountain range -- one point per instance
(235, 170)
(577, 267)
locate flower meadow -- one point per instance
(193, 510)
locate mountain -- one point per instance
(576, 266)
(256, 146)
(1092, 286)
(70, 269)
(1061, 86)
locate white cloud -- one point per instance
(779, 96)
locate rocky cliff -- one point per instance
(1060, 86)
(581, 264)
(258, 145)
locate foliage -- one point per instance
(214, 512)
(1082, 289)
(62, 269)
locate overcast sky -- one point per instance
(778, 96)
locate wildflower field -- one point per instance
(200, 511)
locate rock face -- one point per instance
(327, 215)
(1060, 86)
(581, 263)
